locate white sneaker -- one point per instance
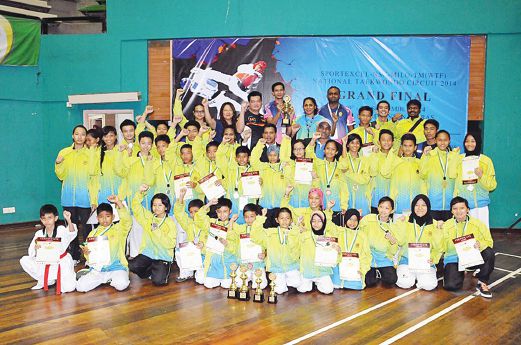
(38, 286)
(476, 272)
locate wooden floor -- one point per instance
(188, 313)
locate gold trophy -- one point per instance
(232, 292)
(258, 296)
(272, 298)
(287, 108)
(244, 292)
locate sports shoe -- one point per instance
(476, 272)
(183, 279)
(483, 290)
(82, 272)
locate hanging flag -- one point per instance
(19, 41)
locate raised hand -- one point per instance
(397, 117)
(244, 106)
(67, 216)
(149, 109)
(113, 199)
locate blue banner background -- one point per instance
(367, 69)
(433, 69)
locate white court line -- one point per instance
(354, 316)
(446, 310)
(512, 255)
(502, 269)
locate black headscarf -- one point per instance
(322, 216)
(477, 150)
(349, 213)
(427, 218)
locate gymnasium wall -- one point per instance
(37, 123)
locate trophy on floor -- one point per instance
(244, 292)
(232, 291)
(272, 298)
(258, 296)
(286, 109)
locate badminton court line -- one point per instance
(512, 255)
(446, 310)
(352, 317)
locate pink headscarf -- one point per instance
(320, 194)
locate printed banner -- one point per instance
(434, 70)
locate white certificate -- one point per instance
(367, 149)
(188, 257)
(468, 255)
(251, 187)
(180, 182)
(99, 251)
(210, 188)
(325, 254)
(49, 251)
(419, 255)
(468, 166)
(303, 169)
(215, 233)
(349, 267)
(249, 250)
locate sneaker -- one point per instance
(82, 272)
(183, 279)
(483, 290)
(76, 262)
(38, 286)
(476, 272)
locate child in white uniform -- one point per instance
(62, 274)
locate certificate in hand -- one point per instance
(210, 188)
(49, 251)
(349, 267)
(249, 250)
(419, 255)
(367, 149)
(325, 254)
(251, 186)
(303, 169)
(180, 182)
(99, 251)
(468, 166)
(189, 257)
(213, 244)
(468, 255)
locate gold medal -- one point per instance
(355, 187)
(236, 195)
(470, 187)
(444, 184)
(154, 226)
(328, 192)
